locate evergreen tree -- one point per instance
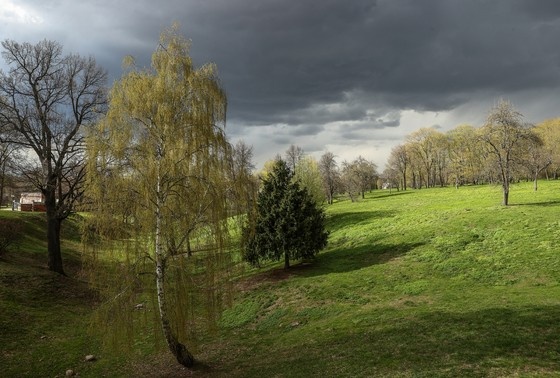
(288, 223)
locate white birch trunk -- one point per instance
(183, 356)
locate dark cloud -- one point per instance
(301, 71)
(283, 60)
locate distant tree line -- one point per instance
(504, 150)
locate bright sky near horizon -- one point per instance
(351, 77)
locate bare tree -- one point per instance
(535, 157)
(46, 99)
(329, 174)
(244, 182)
(358, 176)
(504, 134)
(399, 161)
(293, 155)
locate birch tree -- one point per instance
(158, 177)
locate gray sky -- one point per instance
(353, 77)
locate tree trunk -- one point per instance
(53, 234)
(180, 351)
(506, 196)
(286, 260)
(2, 181)
(535, 178)
(53, 237)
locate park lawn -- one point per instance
(436, 282)
(432, 282)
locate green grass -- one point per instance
(45, 317)
(438, 282)
(429, 283)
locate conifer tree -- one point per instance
(288, 223)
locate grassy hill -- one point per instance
(438, 282)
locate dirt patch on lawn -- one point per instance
(272, 276)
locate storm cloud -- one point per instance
(353, 77)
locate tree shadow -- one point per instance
(337, 260)
(341, 260)
(389, 194)
(475, 343)
(339, 221)
(544, 204)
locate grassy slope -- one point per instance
(438, 282)
(44, 317)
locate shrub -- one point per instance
(10, 233)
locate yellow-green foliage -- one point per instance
(157, 182)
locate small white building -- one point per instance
(31, 197)
(30, 201)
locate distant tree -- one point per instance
(7, 157)
(549, 133)
(359, 176)
(505, 134)
(268, 166)
(244, 182)
(293, 155)
(330, 175)
(426, 149)
(465, 155)
(309, 177)
(46, 99)
(441, 159)
(289, 224)
(158, 180)
(350, 180)
(535, 157)
(391, 178)
(399, 161)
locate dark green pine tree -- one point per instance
(288, 223)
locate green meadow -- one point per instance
(438, 282)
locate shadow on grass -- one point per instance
(391, 194)
(339, 221)
(342, 260)
(490, 342)
(544, 204)
(495, 341)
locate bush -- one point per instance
(10, 233)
